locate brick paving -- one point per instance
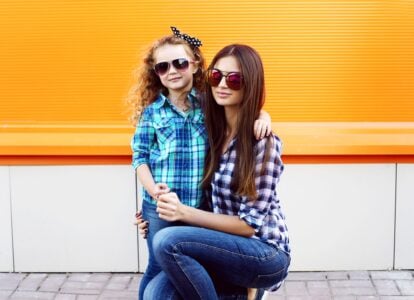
(346, 285)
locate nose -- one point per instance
(222, 82)
(172, 69)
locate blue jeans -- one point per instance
(155, 224)
(200, 263)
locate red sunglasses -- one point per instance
(234, 80)
(180, 64)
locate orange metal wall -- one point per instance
(70, 61)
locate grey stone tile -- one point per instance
(65, 297)
(116, 286)
(406, 287)
(351, 283)
(386, 287)
(87, 297)
(353, 291)
(79, 277)
(337, 275)
(358, 275)
(393, 275)
(100, 277)
(21, 295)
(119, 278)
(397, 297)
(274, 297)
(298, 276)
(118, 295)
(318, 288)
(296, 288)
(4, 294)
(52, 283)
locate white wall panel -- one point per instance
(74, 218)
(142, 243)
(340, 217)
(6, 248)
(404, 245)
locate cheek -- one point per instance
(239, 97)
(163, 80)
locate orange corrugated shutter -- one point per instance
(71, 61)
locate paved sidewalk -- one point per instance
(352, 285)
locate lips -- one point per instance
(223, 94)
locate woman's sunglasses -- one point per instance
(234, 80)
(180, 64)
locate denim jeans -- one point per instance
(199, 263)
(155, 224)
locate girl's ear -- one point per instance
(196, 67)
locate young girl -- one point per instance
(244, 241)
(170, 141)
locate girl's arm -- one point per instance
(141, 143)
(144, 176)
(171, 209)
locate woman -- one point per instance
(243, 243)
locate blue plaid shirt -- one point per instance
(264, 214)
(173, 144)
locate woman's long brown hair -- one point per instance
(243, 181)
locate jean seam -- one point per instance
(272, 255)
(182, 269)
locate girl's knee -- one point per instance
(160, 288)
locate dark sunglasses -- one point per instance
(180, 64)
(234, 80)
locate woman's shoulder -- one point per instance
(272, 139)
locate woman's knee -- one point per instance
(165, 240)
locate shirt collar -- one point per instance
(162, 99)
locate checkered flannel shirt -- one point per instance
(173, 144)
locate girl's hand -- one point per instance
(159, 189)
(169, 206)
(142, 224)
(262, 128)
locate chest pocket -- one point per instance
(165, 133)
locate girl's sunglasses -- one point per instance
(180, 64)
(234, 80)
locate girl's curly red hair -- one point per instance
(146, 84)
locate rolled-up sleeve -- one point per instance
(142, 140)
(255, 212)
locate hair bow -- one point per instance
(193, 41)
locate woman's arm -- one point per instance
(171, 209)
(263, 125)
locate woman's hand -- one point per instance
(169, 207)
(142, 224)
